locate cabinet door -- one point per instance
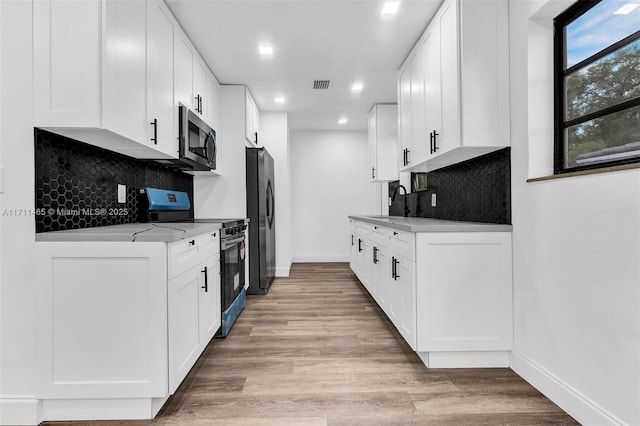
(213, 102)
(66, 63)
(353, 260)
(183, 69)
(386, 142)
(252, 117)
(464, 308)
(160, 104)
(449, 138)
(184, 320)
(382, 274)
(101, 320)
(182, 75)
(248, 115)
(371, 136)
(256, 121)
(406, 320)
(433, 95)
(372, 268)
(209, 302)
(124, 70)
(200, 71)
(418, 130)
(365, 268)
(404, 116)
(365, 263)
(394, 275)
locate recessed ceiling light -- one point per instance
(266, 50)
(357, 87)
(279, 100)
(343, 120)
(390, 7)
(626, 9)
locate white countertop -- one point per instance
(420, 224)
(143, 232)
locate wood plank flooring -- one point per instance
(318, 351)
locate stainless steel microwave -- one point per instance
(197, 141)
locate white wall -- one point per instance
(17, 270)
(329, 181)
(576, 246)
(274, 136)
(225, 196)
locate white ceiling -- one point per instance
(338, 40)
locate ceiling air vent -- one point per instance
(320, 84)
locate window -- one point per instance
(597, 85)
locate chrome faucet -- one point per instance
(393, 197)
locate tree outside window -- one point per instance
(597, 68)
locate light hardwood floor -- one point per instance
(318, 351)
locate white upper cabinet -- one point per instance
(67, 62)
(99, 69)
(200, 72)
(252, 119)
(195, 85)
(213, 102)
(411, 94)
(383, 141)
(418, 151)
(160, 104)
(112, 72)
(404, 115)
(432, 83)
(184, 54)
(462, 61)
(124, 78)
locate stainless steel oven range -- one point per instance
(232, 269)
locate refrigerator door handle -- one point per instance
(270, 204)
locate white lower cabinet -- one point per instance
(194, 317)
(114, 330)
(447, 293)
(464, 297)
(101, 320)
(405, 293)
(381, 275)
(353, 262)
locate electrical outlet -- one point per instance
(122, 194)
(433, 200)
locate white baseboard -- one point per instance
(470, 359)
(566, 397)
(283, 271)
(100, 409)
(323, 258)
(19, 411)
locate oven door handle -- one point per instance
(225, 244)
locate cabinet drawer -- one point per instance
(380, 235)
(185, 254)
(363, 230)
(210, 243)
(402, 243)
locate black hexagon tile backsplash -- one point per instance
(477, 190)
(76, 184)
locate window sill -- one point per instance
(587, 172)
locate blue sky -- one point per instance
(599, 28)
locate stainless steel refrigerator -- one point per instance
(262, 227)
